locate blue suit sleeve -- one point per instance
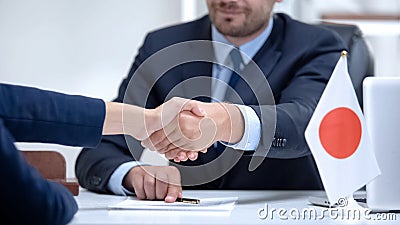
(26, 197)
(34, 115)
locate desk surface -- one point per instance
(93, 210)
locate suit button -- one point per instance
(279, 142)
(95, 180)
(284, 142)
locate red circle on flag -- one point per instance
(340, 132)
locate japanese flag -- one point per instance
(338, 138)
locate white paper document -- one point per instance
(206, 204)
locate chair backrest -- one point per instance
(360, 59)
(52, 166)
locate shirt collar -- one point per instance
(248, 50)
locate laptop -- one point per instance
(381, 97)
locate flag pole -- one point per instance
(344, 53)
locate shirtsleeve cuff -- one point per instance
(252, 130)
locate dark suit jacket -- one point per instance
(33, 115)
(297, 60)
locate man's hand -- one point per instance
(189, 133)
(184, 137)
(140, 123)
(154, 182)
(156, 119)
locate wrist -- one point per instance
(228, 120)
(135, 120)
(113, 119)
(231, 128)
(152, 120)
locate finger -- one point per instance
(208, 129)
(176, 137)
(159, 139)
(168, 149)
(192, 155)
(162, 146)
(171, 138)
(194, 107)
(174, 186)
(154, 139)
(138, 186)
(182, 156)
(171, 147)
(173, 193)
(204, 151)
(161, 185)
(176, 159)
(194, 146)
(206, 139)
(149, 184)
(162, 150)
(173, 153)
(180, 143)
(170, 109)
(177, 153)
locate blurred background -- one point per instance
(87, 46)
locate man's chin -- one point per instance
(229, 29)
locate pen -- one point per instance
(188, 200)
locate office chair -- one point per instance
(360, 59)
(52, 166)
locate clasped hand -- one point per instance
(189, 126)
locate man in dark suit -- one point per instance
(266, 119)
(33, 115)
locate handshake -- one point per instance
(181, 128)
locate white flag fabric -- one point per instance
(338, 138)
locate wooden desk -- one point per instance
(93, 210)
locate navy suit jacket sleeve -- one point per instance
(34, 115)
(298, 78)
(30, 114)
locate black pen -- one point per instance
(188, 200)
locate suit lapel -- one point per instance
(198, 72)
(266, 59)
